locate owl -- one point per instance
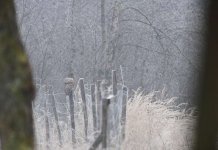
(69, 83)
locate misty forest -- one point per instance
(113, 74)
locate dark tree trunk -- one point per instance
(206, 135)
(16, 86)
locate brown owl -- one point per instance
(69, 83)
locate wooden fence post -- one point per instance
(94, 109)
(71, 102)
(106, 103)
(103, 138)
(69, 83)
(123, 115)
(47, 134)
(114, 82)
(83, 96)
(113, 128)
(54, 107)
(34, 124)
(96, 143)
(99, 104)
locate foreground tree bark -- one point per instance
(16, 87)
(207, 127)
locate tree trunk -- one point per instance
(16, 90)
(207, 128)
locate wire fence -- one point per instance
(84, 114)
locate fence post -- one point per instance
(99, 104)
(105, 104)
(69, 83)
(34, 124)
(123, 115)
(83, 96)
(113, 128)
(54, 107)
(96, 143)
(71, 102)
(94, 109)
(47, 135)
(114, 82)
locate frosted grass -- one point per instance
(154, 122)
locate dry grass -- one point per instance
(153, 123)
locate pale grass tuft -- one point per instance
(151, 125)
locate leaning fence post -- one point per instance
(96, 143)
(99, 104)
(69, 83)
(83, 96)
(94, 109)
(106, 98)
(123, 115)
(54, 108)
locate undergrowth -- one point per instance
(154, 122)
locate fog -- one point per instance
(153, 44)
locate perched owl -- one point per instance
(69, 83)
(16, 86)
